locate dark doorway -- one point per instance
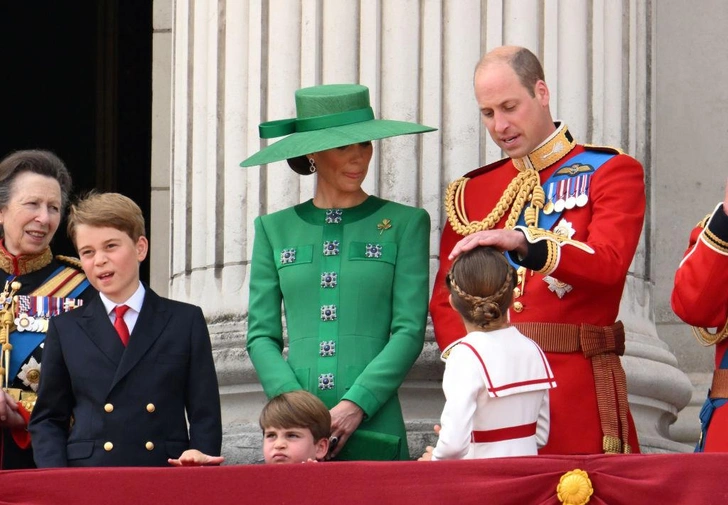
(77, 79)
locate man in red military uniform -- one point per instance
(700, 298)
(569, 218)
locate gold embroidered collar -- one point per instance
(21, 265)
(559, 144)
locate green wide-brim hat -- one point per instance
(327, 116)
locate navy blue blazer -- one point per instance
(101, 404)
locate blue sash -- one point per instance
(706, 412)
(24, 343)
(591, 161)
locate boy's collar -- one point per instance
(134, 302)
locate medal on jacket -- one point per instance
(548, 208)
(561, 201)
(583, 193)
(570, 202)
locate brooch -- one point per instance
(373, 251)
(384, 225)
(333, 216)
(288, 256)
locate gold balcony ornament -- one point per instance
(574, 488)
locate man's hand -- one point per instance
(503, 240)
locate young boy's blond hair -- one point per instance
(107, 210)
(297, 409)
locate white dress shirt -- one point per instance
(134, 303)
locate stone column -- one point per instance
(235, 64)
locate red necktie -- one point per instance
(121, 328)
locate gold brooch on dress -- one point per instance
(384, 225)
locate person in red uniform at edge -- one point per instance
(700, 298)
(569, 217)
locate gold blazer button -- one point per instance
(149, 446)
(518, 307)
(108, 446)
(109, 407)
(151, 407)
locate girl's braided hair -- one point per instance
(481, 283)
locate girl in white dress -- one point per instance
(496, 379)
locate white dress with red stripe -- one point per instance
(496, 387)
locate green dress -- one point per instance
(354, 284)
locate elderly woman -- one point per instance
(34, 188)
(351, 270)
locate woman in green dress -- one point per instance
(351, 270)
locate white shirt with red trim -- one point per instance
(494, 380)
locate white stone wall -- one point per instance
(235, 63)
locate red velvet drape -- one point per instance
(630, 479)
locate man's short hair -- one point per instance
(112, 210)
(524, 63)
(297, 409)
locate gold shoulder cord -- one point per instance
(703, 335)
(6, 326)
(523, 188)
(706, 338)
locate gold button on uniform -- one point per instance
(518, 306)
(149, 446)
(150, 407)
(109, 407)
(108, 446)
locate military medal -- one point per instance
(556, 286)
(583, 197)
(548, 208)
(24, 322)
(565, 229)
(570, 202)
(30, 373)
(560, 203)
(41, 321)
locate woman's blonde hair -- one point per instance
(481, 283)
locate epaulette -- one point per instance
(446, 353)
(486, 168)
(603, 149)
(704, 222)
(69, 261)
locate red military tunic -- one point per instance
(583, 288)
(700, 298)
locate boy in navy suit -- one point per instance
(121, 372)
